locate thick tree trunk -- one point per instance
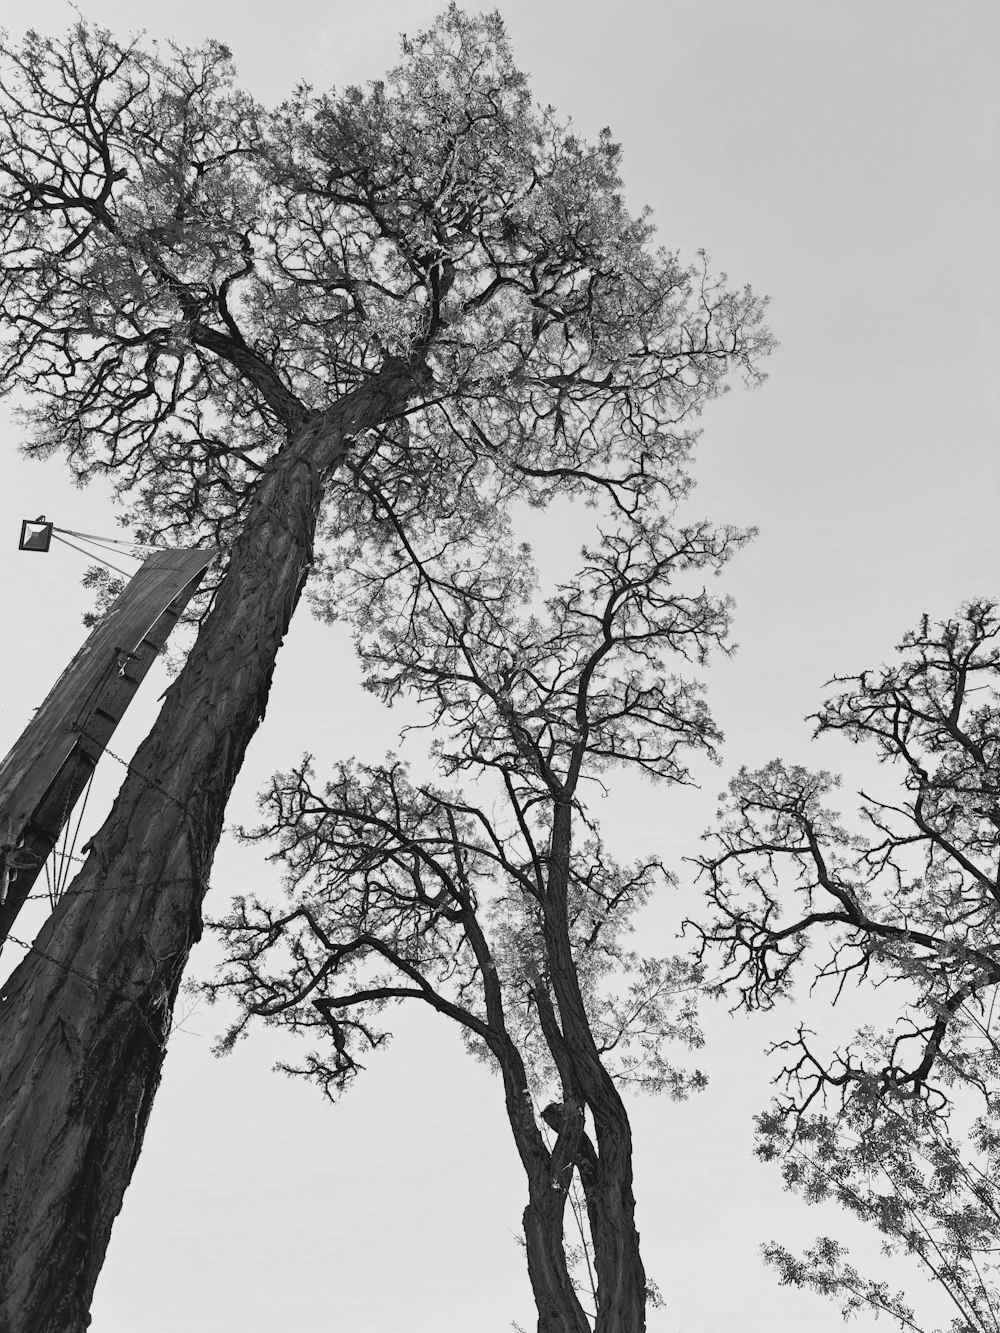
(558, 1306)
(85, 1017)
(548, 1174)
(621, 1279)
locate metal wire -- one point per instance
(116, 541)
(61, 871)
(92, 555)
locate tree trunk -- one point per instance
(606, 1175)
(558, 1306)
(84, 1019)
(548, 1174)
(621, 1277)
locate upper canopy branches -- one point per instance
(187, 277)
(588, 684)
(462, 899)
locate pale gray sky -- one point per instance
(841, 156)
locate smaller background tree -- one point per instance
(496, 902)
(902, 1127)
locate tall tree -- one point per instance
(493, 899)
(912, 899)
(232, 313)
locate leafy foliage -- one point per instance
(188, 278)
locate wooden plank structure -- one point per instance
(49, 765)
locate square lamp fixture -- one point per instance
(36, 534)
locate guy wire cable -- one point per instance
(116, 541)
(108, 541)
(92, 555)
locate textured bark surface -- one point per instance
(558, 1306)
(607, 1188)
(605, 1173)
(85, 1017)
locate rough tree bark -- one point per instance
(548, 1174)
(558, 1306)
(77, 1080)
(607, 1178)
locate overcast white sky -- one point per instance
(840, 155)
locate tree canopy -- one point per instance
(188, 277)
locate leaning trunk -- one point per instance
(85, 1017)
(621, 1277)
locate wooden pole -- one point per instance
(49, 765)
